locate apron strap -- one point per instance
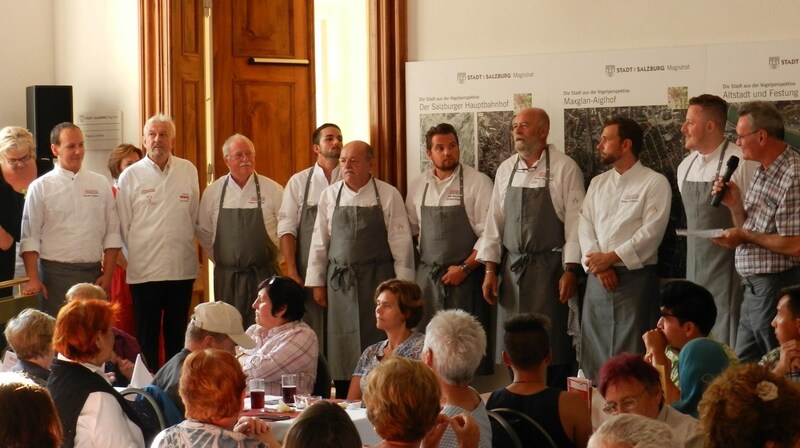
(307, 189)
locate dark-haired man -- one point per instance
(299, 211)
(708, 264)
(687, 312)
(533, 229)
(785, 359)
(70, 229)
(447, 210)
(763, 225)
(527, 352)
(623, 219)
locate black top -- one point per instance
(541, 406)
(11, 220)
(169, 375)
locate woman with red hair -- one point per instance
(92, 412)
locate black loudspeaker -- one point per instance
(47, 107)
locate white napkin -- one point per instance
(141, 376)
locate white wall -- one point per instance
(96, 50)
(457, 29)
(26, 52)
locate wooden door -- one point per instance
(263, 78)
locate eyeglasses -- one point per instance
(242, 155)
(741, 137)
(626, 404)
(20, 161)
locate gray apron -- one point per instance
(447, 241)
(314, 315)
(614, 322)
(244, 255)
(708, 264)
(58, 277)
(532, 264)
(359, 258)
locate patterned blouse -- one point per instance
(410, 348)
(194, 434)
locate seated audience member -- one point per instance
(688, 312)
(701, 361)
(402, 401)
(455, 342)
(631, 430)
(213, 325)
(126, 347)
(30, 335)
(630, 385)
(398, 309)
(324, 424)
(785, 359)
(747, 406)
(212, 388)
(93, 414)
(284, 343)
(527, 352)
(28, 417)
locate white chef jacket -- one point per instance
(70, 218)
(445, 193)
(704, 168)
(627, 214)
(395, 218)
(237, 197)
(566, 192)
(157, 213)
(292, 205)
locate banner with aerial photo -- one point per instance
(581, 90)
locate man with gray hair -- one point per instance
(765, 226)
(237, 226)
(454, 345)
(213, 325)
(30, 335)
(634, 431)
(157, 201)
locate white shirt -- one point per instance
(704, 168)
(626, 214)
(394, 216)
(70, 218)
(686, 427)
(566, 192)
(157, 213)
(102, 422)
(237, 197)
(292, 205)
(446, 193)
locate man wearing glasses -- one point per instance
(533, 218)
(70, 229)
(237, 226)
(766, 226)
(706, 263)
(630, 385)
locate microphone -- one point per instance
(732, 164)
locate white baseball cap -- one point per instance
(220, 317)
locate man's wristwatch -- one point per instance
(465, 268)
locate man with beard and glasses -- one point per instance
(530, 246)
(299, 211)
(237, 226)
(447, 209)
(622, 222)
(361, 238)
(157, 201)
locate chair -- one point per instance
(148, 411)
(526, 428)
(172, 415)
(322, 384)
(503, 435)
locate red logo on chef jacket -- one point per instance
(185, 197)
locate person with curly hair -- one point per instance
(748, 406)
